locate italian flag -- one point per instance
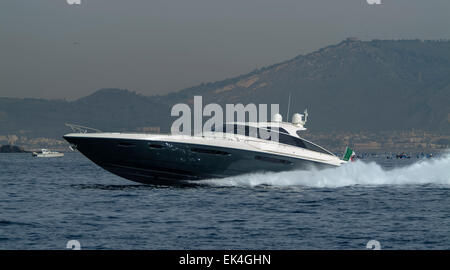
(349, 154)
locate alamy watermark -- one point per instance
(373, 245)
(73, 2)
(223, 122)
(73, 245)
(374, 2)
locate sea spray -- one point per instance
(427, 171)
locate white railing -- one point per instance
(82, 129)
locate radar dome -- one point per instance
(297, 119)
(277, 118)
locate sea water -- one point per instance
(400, 203)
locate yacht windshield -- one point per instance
(283, 136)
(314, 147)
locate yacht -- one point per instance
(47, 153)
(232, 149)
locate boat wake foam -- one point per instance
(430, 171)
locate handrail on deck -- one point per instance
(82, 129)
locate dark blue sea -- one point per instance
(401, 203)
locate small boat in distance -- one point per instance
(47, 153)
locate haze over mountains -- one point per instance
(351, 86)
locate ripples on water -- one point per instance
(403, 204)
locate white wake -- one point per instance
(429, 171)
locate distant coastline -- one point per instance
(12, 149)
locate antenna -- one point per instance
(289, 105)
(306, 115)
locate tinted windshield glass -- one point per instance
(241, 129)
(314, 147)
(233, 128)
(283, 136)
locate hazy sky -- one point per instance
(50, 49)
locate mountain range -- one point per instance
(354, 85)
